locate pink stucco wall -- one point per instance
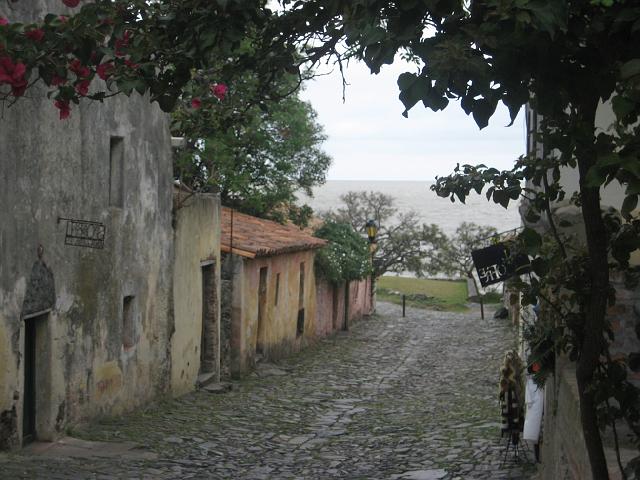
(330, 304)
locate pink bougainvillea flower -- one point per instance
(13, 74)
(19, 87)
(63, 18)
(4, 21)
(57, 80)
(219, 90)
(105, 70)
(122, 43)
(82, 87)
(71, 3)
(80, 70)
(196, 103)
(130, 64)
(37, 34)
(65, 109)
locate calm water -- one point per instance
(417, 196)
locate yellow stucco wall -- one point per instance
(197, 240)
(279, 335)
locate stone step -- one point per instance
(220, 387)
(205, 379)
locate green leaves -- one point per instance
(531, 240)
(630, 69)
(413, 89)
(346, 257)
(628, 206)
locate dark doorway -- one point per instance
(209, 339)
(300, 322)
(262, 307)
(31, 378)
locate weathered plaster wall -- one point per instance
(279, 335)
(327, 297)
(197, 242)
(330, 312)
(359, 299)
(50, 169)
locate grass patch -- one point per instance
(489, 297)
(447, 295)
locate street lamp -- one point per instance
(372, 231)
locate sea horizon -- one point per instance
(415, 195)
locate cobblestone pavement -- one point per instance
(394, 398)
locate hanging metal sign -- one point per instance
(494, 264)
(83, 233)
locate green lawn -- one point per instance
(446, 295)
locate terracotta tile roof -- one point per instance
(256, 237)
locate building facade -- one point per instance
(85, 258)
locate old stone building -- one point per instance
(270, 292)
(86, 262)
(273, 302)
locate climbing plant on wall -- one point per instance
(346, 257)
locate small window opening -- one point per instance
(275, 301)
(128, 326)
(116, 172)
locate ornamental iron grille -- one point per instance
(83, 233)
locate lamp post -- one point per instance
(372, 231)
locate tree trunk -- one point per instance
(595, 310)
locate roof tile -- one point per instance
(256, 237)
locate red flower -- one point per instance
(4, 21)
(19, 87)
(196, 103)
(80, 70)
(121, 43)
(82, 87)
(71, 3)
(219, 90)
(130, 64)
(13, 74)
(65, 109)
(56, 80)
(63, 18)
(37, 34)
(105, 70)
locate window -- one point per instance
(116, 172)
(128, 322)
(275, 300)
(301, 291)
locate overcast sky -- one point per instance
(369, 139)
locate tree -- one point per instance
(346, 257)
(402, 243)
(257, 155)
(453, 254)
(136, 45)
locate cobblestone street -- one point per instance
(394, 398)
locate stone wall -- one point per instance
(226, 291)
(102, 317)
